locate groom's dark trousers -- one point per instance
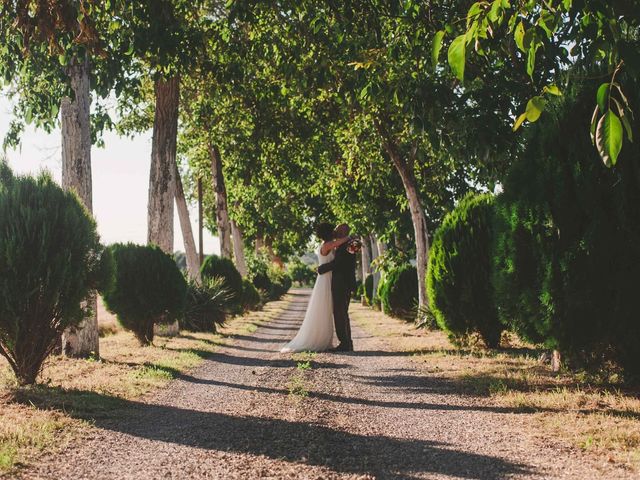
(343, 282)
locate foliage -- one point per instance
(568, 242)
(50, 260)
(301, 273)
(215, 266)
(460, 268)
(207, 305)
(149, 288)
(280, 282)
(547, 39)
(398, 292)
(250, 296)
(368, 289)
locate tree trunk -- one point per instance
(404, 166)
(163, 161)
(193, 262)
(376, 272)
(382, 247)
(222, 210)
(82, 340)
(238, 249)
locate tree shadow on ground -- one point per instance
(296, 442)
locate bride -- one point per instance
(316, 331)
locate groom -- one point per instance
(343, 282)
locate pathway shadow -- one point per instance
(296, 442)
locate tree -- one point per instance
(50, 260)
(49, 54)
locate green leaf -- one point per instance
(535, 107)
(552, 90)
(456, 56)
(436, 47)
(603, 97)
(519, 121)
(518, 36)
(627, 126)
(495, 14)
(531, 58)
(62, 58)
(609, 138)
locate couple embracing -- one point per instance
(329, 302)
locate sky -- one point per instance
(120, 174)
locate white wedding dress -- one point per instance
(316, 331)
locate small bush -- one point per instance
(280, 283)
(49, 262)
(262, 282)
(398, 292)
(301, 273)
(215, 266)
(250, 296)
(459, 273)
(368, 289)
(149, 288)
(207, 305)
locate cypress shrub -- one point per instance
(207, 306)
(262, 282)
(215, 266)
(49, 262)
(398, 292)
(568, 239)
(149, 288)
(460, 269)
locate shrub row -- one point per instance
(556, 257)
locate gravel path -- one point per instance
(367, 414)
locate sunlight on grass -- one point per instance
(71, 391)
(581, 410)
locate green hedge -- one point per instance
(207, 306)
(250, 296)
(459, 273)
(567, 251)
(49, 262)
(149, 288)
(398, 292)
(368, 289)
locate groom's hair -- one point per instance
(342, 230)
(324, 231)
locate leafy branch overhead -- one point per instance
(546, 39)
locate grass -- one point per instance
(596, 415)
(72, 392)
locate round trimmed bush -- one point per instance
(149, 288)
(250, 296)
(398, 292)
(207, 306)
(215, 266)
(49, 262)
(460, 269)
(280, 283)
(301, 273)
(262, 282)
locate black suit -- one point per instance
(343, 282)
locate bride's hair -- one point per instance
(324, 231)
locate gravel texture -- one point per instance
(361, 415)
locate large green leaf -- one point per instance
(609, 138)
(518, 36)
(603, 96)
(436, 47)
(456, 55)
(535, 107)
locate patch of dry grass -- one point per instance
(71, 392)
(602, 418)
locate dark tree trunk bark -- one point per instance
(81, 340)
(163, 161)
(161, 175)
(222, 210)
